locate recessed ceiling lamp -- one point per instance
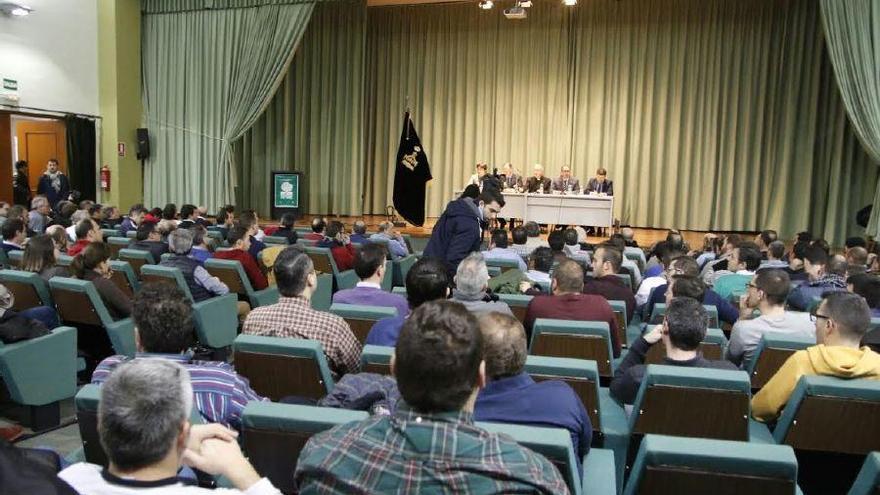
(14, 9)
(569, 2)
(486, 4)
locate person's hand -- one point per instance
(218, 456)
(654, 335)
(524, 285)
(200, 433)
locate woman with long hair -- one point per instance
(40, 257)
(93, 265)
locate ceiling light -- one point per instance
(14, 9)
(486, 4)
(569, 2)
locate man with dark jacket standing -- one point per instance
(21, 190)
(459, 230)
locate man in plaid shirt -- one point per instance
(430, 444)
(294, 317)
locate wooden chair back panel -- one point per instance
(519, 312)
(590, 347)
(657, 352)
(276, 376)
(88, 430)
(360, 328)
(156, 279)
(585, 389)
(26, 296)
(121, 281)
(136, 264)
(378, 368)
(321, 262)
(114, 249)
(75, 307)
(663, 480)
(769, 362)
(274, 454)
(669, 410)
(228, 277)
(856, 431)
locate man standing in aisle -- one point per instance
(53, 184)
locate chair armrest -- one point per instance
(322, 298)
(42, 370)
(346, 280)
(599, 473)
(400, 268)
(760, 433)
(217, 320)
(121, 335)
(264, 297)
(615, 427)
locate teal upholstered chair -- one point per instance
(14, 258)
(599, 468)
(518, 303)
(868, 480)
(64, 260)
(29, 289)
(619, 309)
(494, 271)
(590, 340)
(275, 241)
(116, 244)
(361, 318)
(124, 277)
(626, 279)
(503, 264)
(41, 372)
(278, 367)
(399, 290)
(306, 242)
(273, 435)
(322, 298)
(667, 465)
(712, 347)
(660, 310)
(131, 234)
(216, 236)
(216, 319)
(4, 259)
(107, 233)
(136, 258)
(324, 263)
(400, 267)
(771, 353)
(231, 273)
(78, 303)
(376, 359)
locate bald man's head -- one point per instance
(504, 345)
(568, 277)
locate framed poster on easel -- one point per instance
(286, 193)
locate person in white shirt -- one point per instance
(520, 240)
(144, 428)
(542, 262)
(573, 249)
(766, 293)
(533, 230)
(775, 252)
(498, 250)
(77, 217)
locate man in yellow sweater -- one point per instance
(841, 321)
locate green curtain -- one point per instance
(852, 29)
(210, 67)
(708, 114)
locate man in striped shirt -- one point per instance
(164, 329)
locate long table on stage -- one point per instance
(560, 209)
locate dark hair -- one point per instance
(144, 230)
(686, 264)
(236, 233)
(368, 259)
(849, 311)
(836, 265)
(542, 259)
(426, 280)
(532, 229)
(776, 249)
(504, 345)
(471, 191)
(288, 220)
(318, 225)
(198, 232)
(11, 228)
(520, 236)
(169, 212)
(96, 208)
(491, 194)
(733, 239)
(804, 236)
(164, 318)
(687, 321)
(556, 241)
(84, 227)
(611, 254)
(799, 250)
(89, 258)
(67, 209)
(156, 213)
(601, 171)
(499, 238)
(775, 284)
(437, 357)
(768, 236)
(187, 211)
(359, 227)
(137, 208)
(222, 215)
(688, 286)
(749, 255)
(247, 219)
(857, 255)
(816, 255)
(292, 268)
(20, 165)
(822, 243)
(39, 253)
(333, 229)
(867, 286)
(569, 276)
(852, 242)
(570, 236)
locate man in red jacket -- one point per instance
(239, 239)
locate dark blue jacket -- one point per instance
(727, 312)
(456, 234)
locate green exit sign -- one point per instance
(10, 84)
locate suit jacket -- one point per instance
(560, 185)
(593, 186)
(533, 184)
(511, 181)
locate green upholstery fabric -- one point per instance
(257, 298)
(549, 325)
(869, 477)
(626, 279)
(362, 312)
(30, 278)
(88, 398)
(502, 263)
(388, 280)
(322, 298)
(4, 259)
(15, 257)
(516, 300)
(110, 233)
(64, 260)
(344, 280)
(400, 267)
(126, 268)
(773, 340)
(273, 240)
(171, 274)
(826, 386)
(619, 307)
(121, 332)
(119, 241)
(131, 234)
(291, 417)
(615, 428)
(399, 289)
(42, 370)
(599, 473)
(137, 254)
(494, 271)
(660, 310)
(553, 443)
(376, 354)
(557, 366)
(287, 347)
(875, 323)
(747, 459)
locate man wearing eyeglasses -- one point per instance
(766, 293)
(841, 320)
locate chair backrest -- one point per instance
(78, 302)
(518, 303)
(124, 277)
(14, 258)
(166, 274)
(660, 310)
(712, 347)
(273, 240)
(361, 318)
(590, 340)
(868, 480)
(131, 234)
(376, 359)
(64, 260)
(86, 402)
(826, 414)
(401, 291)
(29, 289)
(116, 244)
(278, 367)
(553, 443)
(136, 258)
(771, 353)
(273, 435)
(231, 273)
(667, 465)
(581, 375)
(626, 279)
(322, 258)
(619, 309)
(666, 399)
(503, 264)
(4, 259)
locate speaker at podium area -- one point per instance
(286, 190)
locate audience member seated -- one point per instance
(288, 220)
(520, 239)
(605, 282)
(294, 317)
(743, 263)
(14, 235)
(512, 396)
(187, 216)
(534, 241)
(542, 263)
(650, 283)
(40, 258)
(59, 238)
(359, 233)
(471, 283)
(856, 260)
(795, 269)
(425, 281)
(396, 244)
(340, 246)
(711, 248)
(201, 251)
(430, 445)
(626, 265)
(149, 239)
(775, 252)
(766, 293)
(731, 241)
(38, 218)
(225, 220)
(682, 330)
(110, 217)
(249, 220)
(568, 302)
(498, 250)
(77, 217)
(763, 241)
(824, 276)
(144, 428)
(685, 265)
(572, 248)
(4, 211)
(163, 321)
(842, 319)
(369, 265)
(239, 240)
(201, 284)
(318, 227)
(16, 326)
(557, 245)
(87, 232)
(170, 212)
(867, 286)
(93, 265)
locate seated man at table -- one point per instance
(537, 183)
(565, 183)
(369, 265)
(600, 184)
(498, 250)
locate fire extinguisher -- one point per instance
(105, 178)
